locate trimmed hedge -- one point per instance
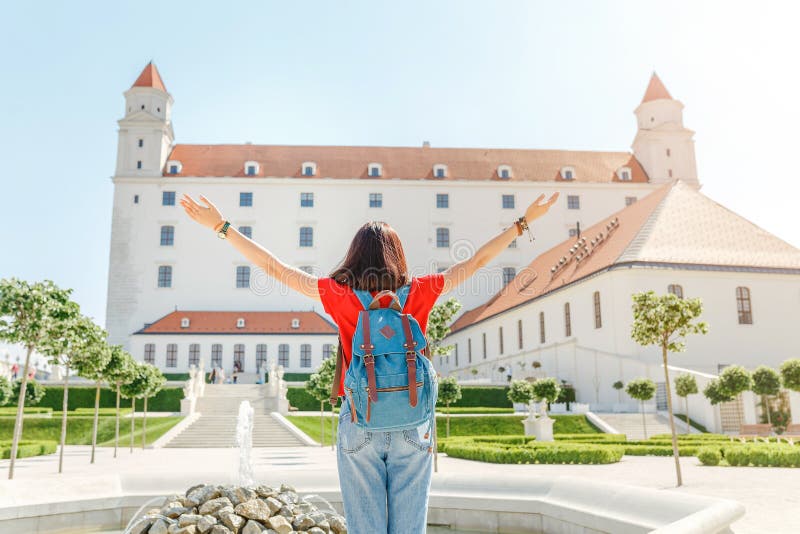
(176, 377)
(533, 453)
(762, 455)
(27, 449)
(167, 400)
(709, 455)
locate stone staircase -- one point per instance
(630, 424)
(219, 409)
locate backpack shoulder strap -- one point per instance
(364, 296)
(337, 375)
(402, 294)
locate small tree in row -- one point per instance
(686, 385)
(766, 383)
(449, 392)
(641, 389)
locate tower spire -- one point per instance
(150, 78)
(656, 90)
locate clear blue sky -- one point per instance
(457, 73)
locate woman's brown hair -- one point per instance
(375, 260)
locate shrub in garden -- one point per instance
(766, 383)
(709, 455)
(790, 373)
(641, 389)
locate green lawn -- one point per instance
(79, 429)
(464, 426)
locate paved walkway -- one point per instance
(771, 495)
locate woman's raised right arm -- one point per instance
(210, 217)
(461, 271)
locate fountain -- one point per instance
(244, 439)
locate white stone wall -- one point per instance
(183, 341)
(204, 267)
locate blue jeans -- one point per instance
(385, 477)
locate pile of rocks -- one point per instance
(212, 509)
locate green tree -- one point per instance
(449, 392)
(439, 325)
(790, 374)
(766, 383)
(686, 385)
(120, 369)
(28, 312)
(641, 389)
(619, 386)
(547, 390)
(6, 391)
(90, 364)
(665, 321)
(715, 393)
(133, 389)
(154, 382)
(319, 386)
(521, 391)
(34, 391)
(735, 380)
(71, 336)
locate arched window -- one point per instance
(469, 351)
(743, 305)
(283, 354)
(519, 334)
(500, 338)
(567, 320)
(598, 318)
(305, 355)
(676, 290)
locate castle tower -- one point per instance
(663, 146)
(145, 132)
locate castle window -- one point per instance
(484, 345)
(568, 173)
(246, 200)
(598, 318)
(283, 355)
(242, 277)
(500, 338)
(670, 173)
(308, 269)
(629, 200)
(164, 276)
(573, 232)
(439, 171)
(135, 199)
(194, 354)
(172, 355)
(508, 275)
(669, 153)
(251, 168)
(306, 236)
(743, 305)
(513, 243)
(508, 202)
(676, 290)
(442, 237)
(150, 353)
(238, 355)
(216, 355)
(261, 355)
(306, 200)
(246, 231)
(168, 198)
(573, 202)
(174, 167)
(442, 200)
(469, 351)
(309, 168)
(567, 320)
(141, 143)
(240, 322)
(327, 351)
(295, 323)
(305, 355)
(376, 200)
(375, 170)
(139, 164)
(142, 106)
(504, 172)
(624, 173)
(519, 334)
(167, 236)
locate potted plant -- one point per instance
(545, 390)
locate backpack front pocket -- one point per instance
(393, 408)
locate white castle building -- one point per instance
(304, 203)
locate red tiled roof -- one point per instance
(656, 90)
(410, 163)
(255, 322)
(535, 280)
(150, 78)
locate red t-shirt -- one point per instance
(342, 304)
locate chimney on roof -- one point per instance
(426, 144)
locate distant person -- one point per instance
(213, 377)
(15, 370)
(384, 475)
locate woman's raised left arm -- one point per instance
(210, 217)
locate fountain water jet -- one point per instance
(244, 439)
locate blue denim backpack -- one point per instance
(390, 353)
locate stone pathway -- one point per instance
(771, 495)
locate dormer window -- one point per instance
(568, 173)
(185, 322)
(174, 167)
(240, 322)
(504, 172)
(309, 168)
(440, 171)
(251, 168)
(375, 170)
(295, 323)
(624, 173)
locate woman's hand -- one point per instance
(208, 215)
(536, 209)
